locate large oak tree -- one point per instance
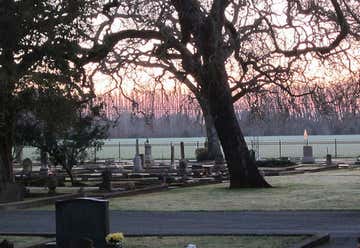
(223, 50)
(220, 49)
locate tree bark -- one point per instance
(6, 170)
(242, 169)
(214, 148)
(6, 141)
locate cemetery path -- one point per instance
(198, 222)
(344, 226)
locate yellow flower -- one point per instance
(113, 238)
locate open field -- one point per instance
(324, 190)
(214, 241)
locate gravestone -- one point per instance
(137, 159)
(182, 163)
(82, 218)
(308, 157)
(148, 157)
(44, 170)
(172, 157)
(183, 166)
(27, 166)
(106, 176)
(142, 160)
(182, 150)
(328, 159)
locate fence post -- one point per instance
(279, 148)
(172, 154)
(119, 152)
(95, 154)
(335, 148)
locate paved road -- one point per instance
(344, 226)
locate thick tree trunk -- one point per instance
(6, 169)
(214, 148)
(6, 143)
(242, 169)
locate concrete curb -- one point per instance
(49, 200)
(150, 189)
(37, 202)
(52, 199)
(313, 241)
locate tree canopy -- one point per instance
(221, 50)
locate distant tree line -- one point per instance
(330, 109)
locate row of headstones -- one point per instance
(141, 161)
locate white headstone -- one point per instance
(308, 157)
(148, 156)
(137, 163)
(137, 159)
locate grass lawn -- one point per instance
(336, 189)
(24, 241)
(214, 241)
(182, 241)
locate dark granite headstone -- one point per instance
(328, 159)
(106, 180)
(82, 218)
(182, 150)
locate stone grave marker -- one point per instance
(182, 150)
(308, 157)
(328, 159)
(148, 157)
(172, 156)
(82, 218)
(137, 159)
(27, 166)
(183, 163)
(106, 177)
(44, 160)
